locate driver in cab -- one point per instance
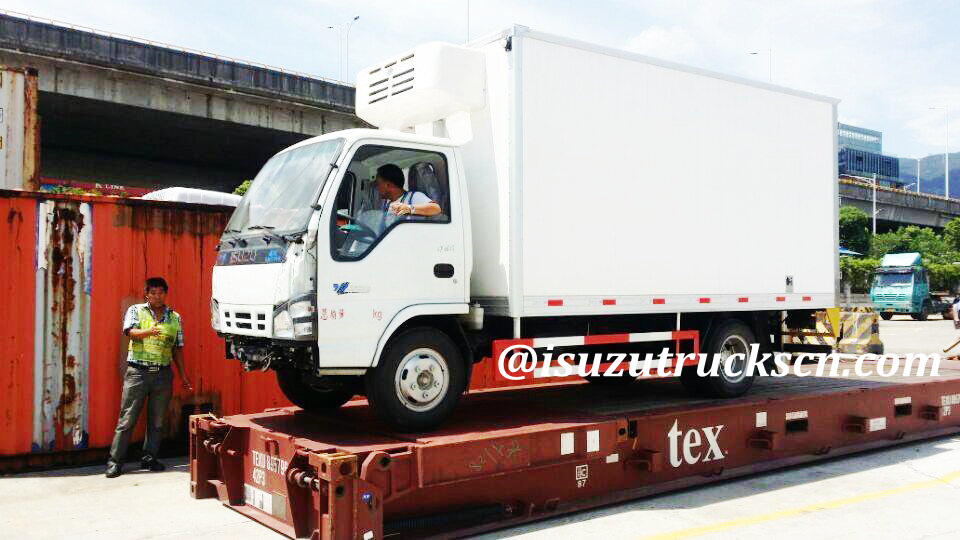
(397, 201)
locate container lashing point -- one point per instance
(932, 412)
(765, 439)
(647, 460)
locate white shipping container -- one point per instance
(599, 175)
(18, 129)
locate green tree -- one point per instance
(931, 246)
(858, 273)
(951, 234)
(854, 229)
(242, 188)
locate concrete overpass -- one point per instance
(899, 207)
(126, 111)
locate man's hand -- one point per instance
(400, 209)
(186, 384)
(137, 333)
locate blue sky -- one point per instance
(888, 62)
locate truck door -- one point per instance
(378, 262)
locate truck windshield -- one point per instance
(884, 280)
(281, 196)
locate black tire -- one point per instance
(886, 315)
(924, 313)
(314, 394)
(732, 335)
(401, 406)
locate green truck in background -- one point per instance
(901, 285)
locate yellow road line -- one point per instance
(816, 507)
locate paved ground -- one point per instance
(912, 491)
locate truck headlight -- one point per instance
(304, 317)
(215, 315)
(296, 318)
(282, 325)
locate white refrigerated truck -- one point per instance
(578, 191)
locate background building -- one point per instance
(861, 154)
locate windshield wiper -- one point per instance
(268, 230)
(233, 243)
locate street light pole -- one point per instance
(341, 37)
(946, 147)
(918, 176)
(347, 39)
(340, 42)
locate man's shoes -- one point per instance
(150, 463)
(113, 469)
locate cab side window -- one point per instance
(367, 208)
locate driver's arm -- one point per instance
(425, 209)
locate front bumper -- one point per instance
(893, 307)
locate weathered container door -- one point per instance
(64, 279)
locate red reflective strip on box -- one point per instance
(806, 298)
(659, 300)
(609, 301)
(606, 338)
(554, 302)
(743, 299)
(704, 300)
(781, 299)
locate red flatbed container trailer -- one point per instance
(511, 456)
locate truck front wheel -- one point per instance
(924, 312)
(418, 381)
(886, 315)
(315, 394)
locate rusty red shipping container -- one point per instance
(507, 456)
(72, 266)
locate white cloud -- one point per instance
(670, 43)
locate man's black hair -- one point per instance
(391, 173)
(155, 282)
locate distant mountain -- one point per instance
(931, 174)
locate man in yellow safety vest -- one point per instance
(156, 341)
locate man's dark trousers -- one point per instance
(142, 385)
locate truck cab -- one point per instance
(314, 271)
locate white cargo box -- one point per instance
(602, 181)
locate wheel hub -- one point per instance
(422, 379)
(734, 345)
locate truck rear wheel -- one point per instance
(731, 337)
(418, 381)
(314, 394)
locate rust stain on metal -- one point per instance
(31, 135)
(171, 218)
(66, 223)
